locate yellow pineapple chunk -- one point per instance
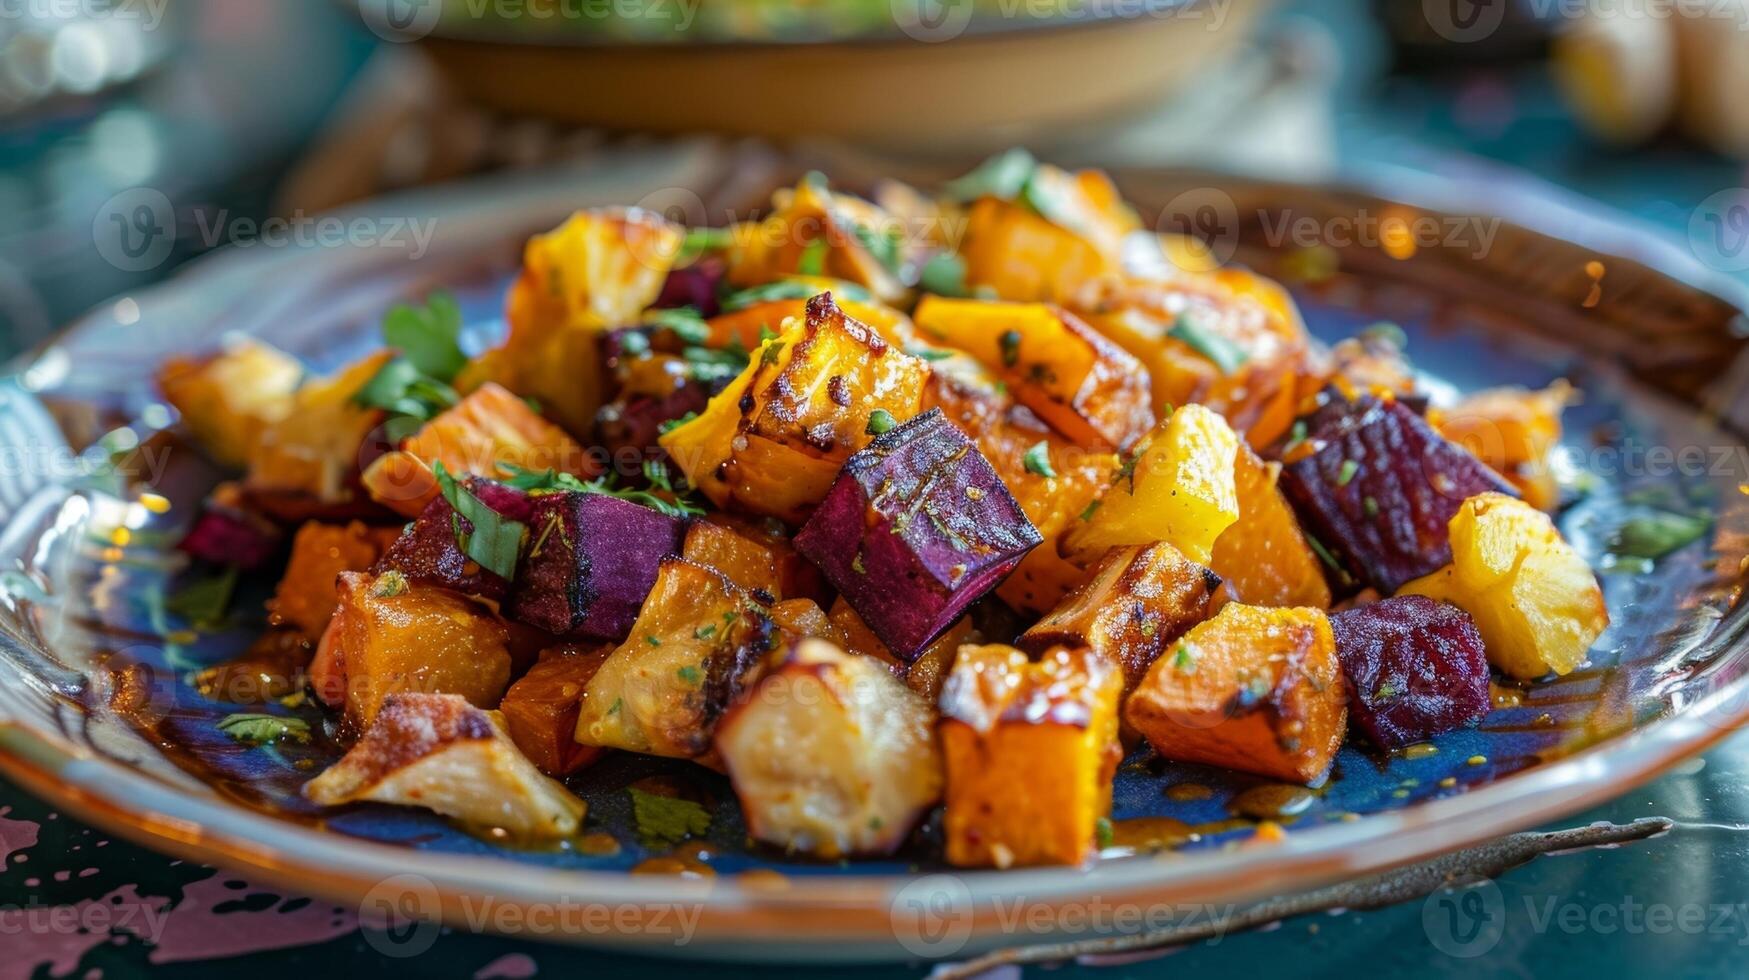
(1177, 488)
(1534, 599)
(772, 442)
(227, 399)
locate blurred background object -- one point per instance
(136, 134)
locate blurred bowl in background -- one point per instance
(949, 75)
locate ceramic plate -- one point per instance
(96, 714)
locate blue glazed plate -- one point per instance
(96, 713)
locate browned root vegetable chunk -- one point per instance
(1031, 749)
(439, 752)
(915, 529)
(311, 455)
(1138, 601)
(663, 689)
(771, 442)
(488, 427)
(831, 755)
(590, 562)
(227, 399)
(1253, 689)
(540, 710)
(1088, 388)
(305, 598)
(1264, 556)
(754, 556)
(928, 672)
(391, 636)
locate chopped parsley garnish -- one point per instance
(701, 240)
(1184, 659)
(1102, 832)
(944, 274)
(929, 353)
(389, 584)
(1002, 176)
(1217, 348)
(690, 674)
(203, 603)
(428, 336)
(653, 640)
(667, 819)
(1092, 506)
(813, 259)
(1657, 534)
(1038, 460)
(410, 396)
(880, 420)
(706, 631)
(685, 321)
(495, 541)
(671, 424)
(547, 481)
(258, 729)
(791, 289)
(1370, 505)
(1010, 343)
(1345, 475)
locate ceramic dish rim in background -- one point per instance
(849, 916)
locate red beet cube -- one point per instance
(591, 559)
(1378, 489)
(1415, 668)
(916, 527)
(428, 551)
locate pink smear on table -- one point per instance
(510, 966)
(196, 932)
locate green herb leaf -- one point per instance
(791, 289)
(258, 729)
(1002, 176)
(700, 240)
(880, 420)
(944, 274)
(203, 603)
(671, 424)
(1102, 832)
(551, 481)
(1217, 348)
(667, 819)
(813, 259)
(402, 390)
(1345, 475)
(1657, 534)
(496, 541)
(429, 335)
(929, 354)
(1184, 659)
(1038, 460)
(685, 321)
(689, 674)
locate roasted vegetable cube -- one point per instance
(754, 556)
(1054, 485)
(857, 238)
(590, 562)
(1263, 556)
(1177, 487)
(831, 755)
(541, 709)
(1415, 668)
(1513, 431)
(305, 599)
(228, 532)
(1139, 600)
(927, 673)
(1253, 689)
(1031, 749)
(228, 398)
(1088, 388)
(1046, 236)
(1379, 487)
(917, 527)
(663, 689)
(439, 752)
(1534, 599)
(313, 453)
(429, 550)
(489, 427)
(771, 442)
(598, 270)
(392, 636)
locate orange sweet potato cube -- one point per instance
(1031, 749)
(488, 427)
(305, 598)
(391, 635)
(1139, 600)
(927, 673)
(753, 556)
(1264, 556)
(540, 710)
(1253, 689)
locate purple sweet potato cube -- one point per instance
(916, 527)
(591, 560)
(1415, 668)
(428, 550)
(1380, 487)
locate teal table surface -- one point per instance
(76, 903)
